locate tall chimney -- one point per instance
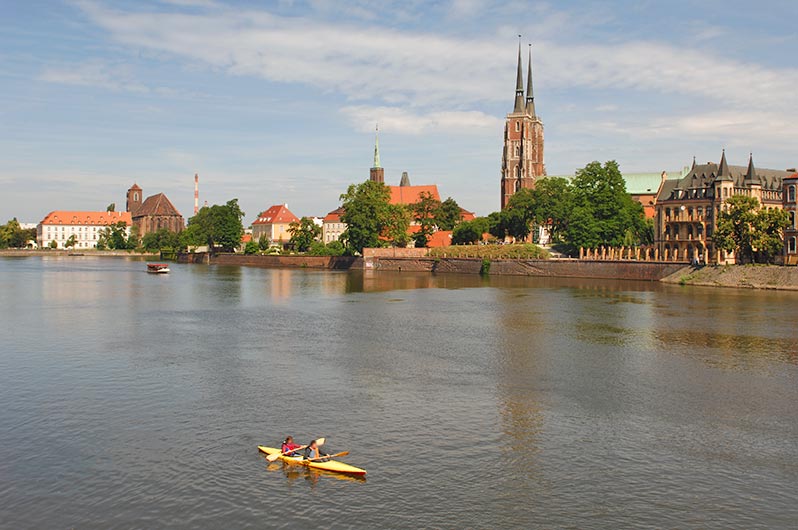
(196, 194)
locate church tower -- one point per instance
(134, 199)
(522, 159)
(377, 173)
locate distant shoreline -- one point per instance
(76, 253)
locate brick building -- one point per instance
(152, 214)
(522, 157)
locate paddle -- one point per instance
(343, 453)
(275, 456)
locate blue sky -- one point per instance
(275, 102)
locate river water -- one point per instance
(132, 400)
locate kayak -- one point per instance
(331, 465)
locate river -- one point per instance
(132, 400)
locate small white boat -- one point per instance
(157, 268)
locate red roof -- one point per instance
(412, 194)
(277, 214)
(246, 238)
(63, 217)
(334, 216)
(465, 215)
(441, 238)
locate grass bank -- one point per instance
(521, 251)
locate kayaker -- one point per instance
(312, 451)
(289, 447)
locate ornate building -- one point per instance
(790, 200)
(687, 208)
(522, 159)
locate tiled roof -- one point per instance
(465, 215)
(63, 217)
(277, 214)
(704, 175)
(156, 205)
(411, 194)
(246, 238)
(135, 187)
(334, 216)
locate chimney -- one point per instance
(196, 193)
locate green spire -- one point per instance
(377, 147)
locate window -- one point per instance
(792, 219)
(791, 246)
(517, 151)
(791, 194)
(517, 126)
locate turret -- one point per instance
(377, 173)
(519, 84)
(530, 96)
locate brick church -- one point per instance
(522, 159)
(152, 214)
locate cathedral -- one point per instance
(522, 159)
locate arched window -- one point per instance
(792, 219)
(517, 151)
(791, 194)
(518, 171)
(517, 126)
(791, 246)
(517, 185)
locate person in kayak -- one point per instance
(312, 452)
(289, 447)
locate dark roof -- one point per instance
(156, 204)
(530, 95)
(519, 85)
(705, 175)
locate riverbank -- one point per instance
(76, 253)
(772, 277)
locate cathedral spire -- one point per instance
(723, 168)
(519, 83)
(377, 146)
(530, 95)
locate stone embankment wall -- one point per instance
(385, 261)
(773, 277)
(289, 262)
(565, 268)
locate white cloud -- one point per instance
(425, 69)
(403, 121)
(96, 74)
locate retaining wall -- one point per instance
(289, 262)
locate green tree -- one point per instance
(303, 234)
(251, 248)
(53, 244)
(449, 215)
(397, 225)
(111, 207)
(13, 235)
(470, 232)
(749, 231)
(263, 242)
(218, 226)
(367, 214)
(603, 213)
(425, 212)
(71, 241)
(160, 239)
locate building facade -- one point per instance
(687, 208)
(155, 213)
(59, 226)
(273, 224)
(332, 227)
(790, 202)
(522, 157)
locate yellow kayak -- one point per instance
(330, 465)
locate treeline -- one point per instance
(12, 235)
(590, 210)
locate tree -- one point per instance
(303, 234)
(602, 212)
(398, 222)
(333, 248)
(115, 237)
(216, 226)
(749, 231)
(424, 213)
(251, 248)
(111, 207)
(263, 242)
(367, 214)
(470, 232)
(13, 235)
(160, 239)
(71, 241)
(53, 244)
(449, 215)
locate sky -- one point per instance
(276, 102)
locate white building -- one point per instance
(59, 226)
